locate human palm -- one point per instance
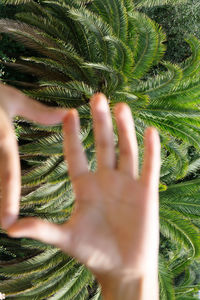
(110, 227)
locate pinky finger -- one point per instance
(151, 165)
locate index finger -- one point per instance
(9, 173)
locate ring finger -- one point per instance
(128, 160)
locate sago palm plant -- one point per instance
(83, 47)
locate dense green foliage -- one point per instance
(11, 50)
(177, 21)
(83, 47)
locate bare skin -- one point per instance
(14, 103)
(114, 229)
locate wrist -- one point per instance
(141, 288)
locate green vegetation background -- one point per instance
(176, 22)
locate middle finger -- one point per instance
(103, 131)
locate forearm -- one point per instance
(145, 287)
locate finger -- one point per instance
(42, 230)
(151, 166)
(103, 131)
(9, 173)
(73, 149)
(37, 112)
(128, 159)
(16, 103)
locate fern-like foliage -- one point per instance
(108, 46)
(150, 3)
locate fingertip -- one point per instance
(15, 234)
(149, 130)
(121, 109)
(8, 221)
(71, 122)
(18, 228)
(119, 106)
(96, 97)
(151, 134)
(71, 113)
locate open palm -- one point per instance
(114, 226)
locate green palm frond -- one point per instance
(15, 2)
(109, 46)
(44, 194)
(51, 25)
(149, 44)
(149, 3)
(186, 287)
(194, 166)
(185, 233)
(33, 264)
(115, 14)
(38, 175)
(162, 84)
(175, 165)
(98, 30)
(183, 197)
(165, 280)
(191, 66)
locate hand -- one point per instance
(114, 229)
(14, 103)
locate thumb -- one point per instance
(42, 230)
